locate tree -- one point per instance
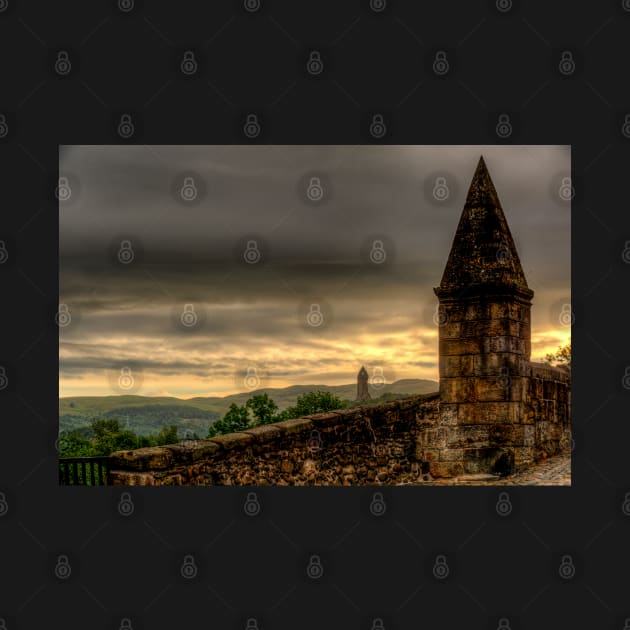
(314, 402)
(235, 419)
(263, 408)
(561, 357)
(167, 435)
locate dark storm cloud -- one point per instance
(194, 253)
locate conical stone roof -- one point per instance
(483, 253)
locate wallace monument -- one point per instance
(496, 412)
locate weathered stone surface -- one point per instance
(150, 458)
(489, 413)
(446, 469)
(125, 478)
(233, 440)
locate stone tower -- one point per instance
(362, 385)
(484, 338)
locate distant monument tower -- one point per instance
(484, 309)
(362, 385)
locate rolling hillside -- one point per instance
(147, 415)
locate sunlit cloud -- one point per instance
(256, 315)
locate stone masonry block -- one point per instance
(460, 346)
(472, 436)
(457, 365)
(446, 469)
(448, 414)
(489, 413)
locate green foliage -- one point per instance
(105, 435)
(236, 419)
(314, 402)
(562, 356)
(168, 435)
(263, 408)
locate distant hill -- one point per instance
(147, 414)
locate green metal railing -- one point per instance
(83, 471)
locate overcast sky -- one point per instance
(361, 254)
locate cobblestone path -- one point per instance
(555, 471)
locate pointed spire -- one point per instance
(483, 251)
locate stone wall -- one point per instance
(358, 446)
(548, 409)
(398, 442)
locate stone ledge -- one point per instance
(264, 433)
(149, 458)
(296, 425)
(231, 441)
